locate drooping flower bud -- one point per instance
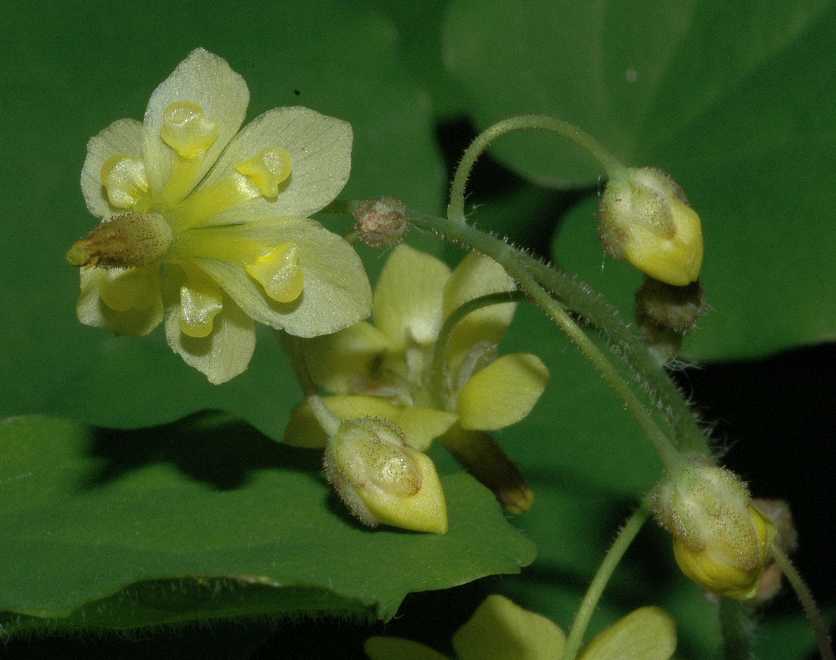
(645, 219)
(124, 241)
(382, 480)
(720, 540)
(381, 222)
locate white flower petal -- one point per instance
(122, 138)
(336, 292)
(408, 297)
(136, 289)
(225, 352)
(320, 153)
(207, 80)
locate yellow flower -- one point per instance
(208, 226)
(385, 368)
(502, 630)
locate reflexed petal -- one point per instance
(222, 354)
(121, 138)
(336, 290)
(502, 393)
(502, 630)
(338, 362)
(408, 297)
(387, 648)
(135, 292)
(648, 633)
(222, 95)
(320, 162)
(420, 425)
(476, 275)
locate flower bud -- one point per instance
(381, 480)
(381, 222)
(720, 540)
(123, 241)
(675, 308)
(645, 219)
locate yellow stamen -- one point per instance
(278, 271)
(201, 300)
(187, 130)
(124, 181)
(267, 170)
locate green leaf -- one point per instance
(207, 518)
(83, 65)
(729, 101)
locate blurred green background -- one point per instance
(735, 100)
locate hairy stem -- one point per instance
(455, 210)
(808, 603)
(515, 264)
(599, 582)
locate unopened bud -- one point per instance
(381, 480)
(676, 308)
(124, 241)
(779, 514)
(381, 222)
(720, 540)
(645, 219)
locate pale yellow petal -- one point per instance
(222, 354)
(125, 301)
(648, 633)
(396, 648)
(420, 425)
(343, 362)
(502, 630)
(476, 275)
(206, 81)
(502, 393)
(122, 139)
(408, 297)
(336, 291)
(320, 162)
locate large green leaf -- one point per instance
(207, 518)
(77, 67)
(731, 100)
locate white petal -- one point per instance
(225, 352)
(205, 79)
(121, 138)
(143, 310)
(408, 297)
(336, 291)
(320, 151)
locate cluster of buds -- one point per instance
(383, 481)
(720, 539)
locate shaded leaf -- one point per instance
(206, 518)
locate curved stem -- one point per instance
(805, 596)
(446, 330)
(599, 582)
(455, 210)
(630, 349)
(515, 263)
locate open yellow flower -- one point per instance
(390, 368)
(502, 630)
(208, 226)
